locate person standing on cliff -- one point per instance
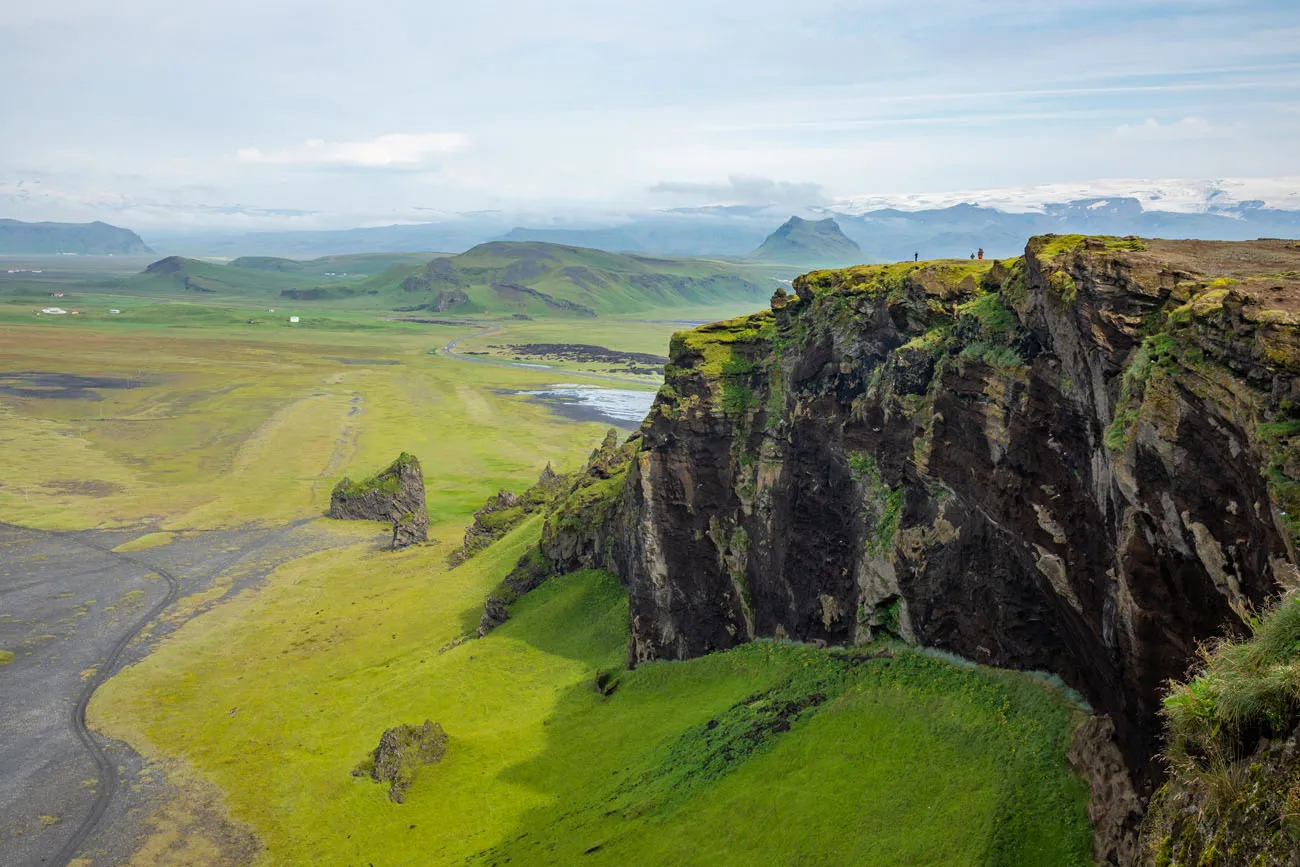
(980, 254)
(916, 257)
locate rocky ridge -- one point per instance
(579, 509)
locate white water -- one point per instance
(616, 404)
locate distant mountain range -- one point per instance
(883, 234)
(87, 239)
(885, 228)
(809, 242)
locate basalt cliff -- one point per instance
(1082, 461)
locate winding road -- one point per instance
(106, 788)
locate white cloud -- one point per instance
(747, 190)
(395, 150)
(1153, 130)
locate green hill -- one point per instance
(179, 274)
(809, 242)
(499, 278)
(540, 279)
(349, 265)
(88, 239)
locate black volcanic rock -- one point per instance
(396, 495)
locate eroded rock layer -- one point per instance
(1082, 461)
(396, 494)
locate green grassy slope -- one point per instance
(501, 279)
(548, 280)
(890, 761)
(210, 279)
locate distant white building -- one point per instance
(54, 311)
(114, 311)
(293, 318)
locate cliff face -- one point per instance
(1081, 461)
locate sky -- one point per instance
(331, 113)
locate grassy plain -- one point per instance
(268, 701)
(220, 425)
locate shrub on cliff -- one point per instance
(1244, 691)
(1233, 796)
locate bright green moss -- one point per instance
(1063, 287)
(1003, 359)
(996, 321)
(1054, 246)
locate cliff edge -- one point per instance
(1083, 461)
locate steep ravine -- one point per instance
(1082, 461)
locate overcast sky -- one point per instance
(280, 113)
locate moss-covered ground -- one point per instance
(218, 426)
(885, 761)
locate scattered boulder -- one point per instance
(401, 752)
(396, 495)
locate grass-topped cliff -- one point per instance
(555, 753)
(1082, 460)
(1233, 747)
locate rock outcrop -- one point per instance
(402, 751)
(505, 510)
(579, 532)
(1082, 461)
(396, 495)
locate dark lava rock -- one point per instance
(396, 495)
(401, 752)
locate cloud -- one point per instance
(396, 150)
(747, 190)
(1153, 130)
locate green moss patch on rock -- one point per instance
(580, 510)
(395, 494)
(402, 751)
(506, 510)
